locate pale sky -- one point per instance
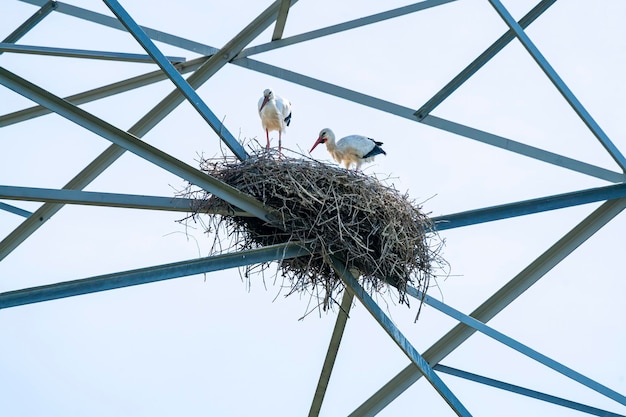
(217, 345)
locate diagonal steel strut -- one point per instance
(525, 391)
(419, 363)
(331, 354)
(148, 275)
(178, 80)
(281, 20)
(46, 8)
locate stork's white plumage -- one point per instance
(353, 149)
(275, 113)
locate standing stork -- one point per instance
(355, 149)
(275, 113)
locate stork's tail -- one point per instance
(377, 150)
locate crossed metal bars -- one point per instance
(234, 52)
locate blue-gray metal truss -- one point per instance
(92, 198)
(102, 92)
(285, 251)
(444, 222)
(83, 53)
(281, 20)
(519, 347)
(480, 61)
(148, 275)
(559, 84)
(379, 104)
(396, 335)
(134, 145)
(331, 353)
(15, 210)
(516, 389)
(31, 22)
(181, 84)
(234, 52)
(146, 123)
(494, 304)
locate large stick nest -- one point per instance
(379, 233)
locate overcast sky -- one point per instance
(220, 345)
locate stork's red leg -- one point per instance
(267, 136)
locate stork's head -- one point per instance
(267, 96)
(325, 135)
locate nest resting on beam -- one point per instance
(379, 233)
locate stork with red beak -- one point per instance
(353, 149)
(275, 113)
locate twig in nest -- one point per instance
(377, 231)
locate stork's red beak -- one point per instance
(319, 140)
(265, 100)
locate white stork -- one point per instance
(275, 113)
(351, 149)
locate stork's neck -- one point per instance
(330, 144)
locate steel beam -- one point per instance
(183, 86)
(496, 303)
(134, 145)
(517, 346)
(522, 208)
(523, 149)
(403, 343)
(82, 53)
(341, 27)
(525, 391)
(331, 353)
(279, 27)
(482, 59)
(149, 275)
(31, 22)
(444, 222)
(91, 198)
(560, 84)
(15, 210)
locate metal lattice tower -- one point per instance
(67, 110)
